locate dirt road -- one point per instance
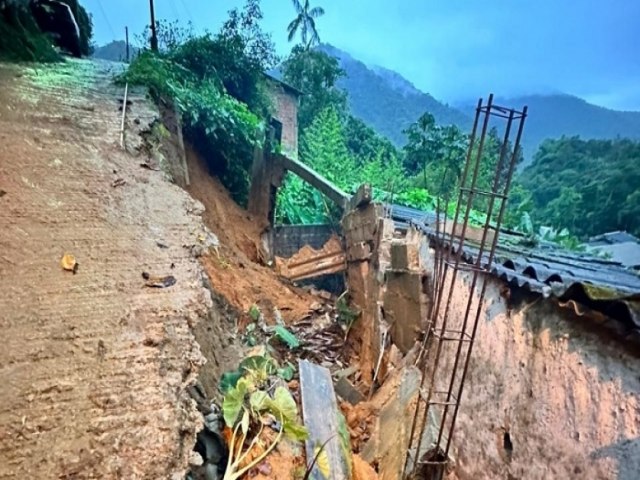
(93, 365)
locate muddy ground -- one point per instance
(94, 365)
(97, 367)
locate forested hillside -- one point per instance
(586, 186)
(386, 101)
(552, 116)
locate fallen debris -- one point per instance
(310, 263)
(158, 282)
(324, 422)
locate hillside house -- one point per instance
(286, 100)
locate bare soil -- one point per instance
(94, 365)
(236, 271)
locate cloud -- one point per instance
(454, 49)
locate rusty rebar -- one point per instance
(468, 191)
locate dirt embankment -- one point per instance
(235, 270)
(94, 366)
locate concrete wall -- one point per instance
(286, 112)
(565, 392)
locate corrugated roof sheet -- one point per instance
(580, 281)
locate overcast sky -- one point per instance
(454, 49)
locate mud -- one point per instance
(236, 270)
(94, 366)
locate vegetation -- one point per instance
(217, 82)
(305, 23)
(22, 39)
(387, 102)
(585, 186)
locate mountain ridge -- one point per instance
(389, 103)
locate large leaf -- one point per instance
(258, 362)
(259, 400)
(233, 403)
(287, 337)
(229, 380)
(294, 431)
(287, 372)
(284, 404)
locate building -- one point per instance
(286, 101)
(620, 247)
(552, 385)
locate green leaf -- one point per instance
(287, 372)
(294, 431)
(254, 313)
(287, 337)
(229, 380)
(259, 400)
(258, 363)
(284, 404)
(233, 403)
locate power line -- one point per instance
(106, 19)
(187, 10)
(174, 10)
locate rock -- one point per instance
(195, 460)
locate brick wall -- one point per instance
(286, 112)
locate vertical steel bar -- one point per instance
(454, 273)
(434, 308)
(516, 151)
(472, 288)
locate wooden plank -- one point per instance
(316, 180)
(310, 263)
(320, 415)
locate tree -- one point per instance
(437, 151)
(315, 73)
(587, 186)
(305, 22)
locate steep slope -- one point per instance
(94, 367)
(386, 101)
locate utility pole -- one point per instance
(154, 36)
(126, 35)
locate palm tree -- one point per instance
(305, 22)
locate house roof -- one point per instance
(613, 238)
(587, 284)
(285, 85)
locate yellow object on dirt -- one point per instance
(69, 263)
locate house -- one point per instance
(621, 247)
(551, 387)
(286, 101)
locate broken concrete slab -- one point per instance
(322, 419)
(362, 197)
(390, 440)
(405, 307)
(346, 391)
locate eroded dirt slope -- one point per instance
(236, 271)
(93, 366)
